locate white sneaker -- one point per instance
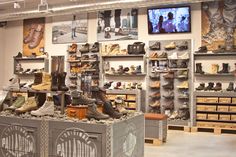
(46, 109)
(184, 56)
(173, 56)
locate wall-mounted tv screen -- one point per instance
(169, 20)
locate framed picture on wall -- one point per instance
(70, 29)
(119, 24)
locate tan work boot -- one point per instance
(29, 105)
(46, 83)
(214, 68)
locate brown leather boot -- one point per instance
(37, 37)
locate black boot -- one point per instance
(84, 48)
(54, 85)
(95, 47)
(201, 86)
(108, 109)
(61, 82)
(93, 113)
(210, 86)
(199, 68)
(218, 87)
(225, 68)
(230, 87)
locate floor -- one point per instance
(183, 144)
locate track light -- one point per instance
(16, 5)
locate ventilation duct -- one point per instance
(90, 6)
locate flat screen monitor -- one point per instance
(169, 20)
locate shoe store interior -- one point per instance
(117, 78)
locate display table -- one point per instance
(60, 136)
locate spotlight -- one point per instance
(16, 5)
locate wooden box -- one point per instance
(201, 99)
(233, 100)
(224, 117)
(132, 105)
(225, 100)
(232, 108)
(233, 117)
(131, 97)
(201, 116)
(211, 100)
(201, 107)
(114, 96)
(223, 108)
(212, 116)
(210, 108)
(77, 111)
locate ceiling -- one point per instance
(29, 8)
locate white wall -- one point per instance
(13, 36)
(2, 44)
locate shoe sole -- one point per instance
(20, 112)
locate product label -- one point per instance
(17, 142)
(74, 142)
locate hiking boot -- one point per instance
(81, 100)
(210, 86)
(169, 75)
(46, 109)
(155, 84)
(169, 105)
(94, 57)
(95, 47)
(61, 82)
(128, 86)
(218, 87)
(169, 95)
(156, 95)
(182, 74)
(73, 48)
(183, 65)
(184, 95)
(133, 86)
(155, 46)
(184, 114)
(139, 86)
(201, 86)
(37, 37)
(169, 85)
(174, 115)
(17, 103)
(184, 56)
(108, 109)
(154, 75)
(46, 83)
(162, 55)
(183, 46)
(29, 105)
(225, 69)
(221, 49)
(214, 68)
(173, 56)
(170, 46)
(19, 55)
(54, 85)
(138, 69)
(92, 112)
(183, 85)
(120, 70)
(132, 70)
(126, 70)
(155, 104)
(114, 49)
(153, 55)
(112, 71)
(85, 57)
(199, 68)
(120, 105)
(84, 48)
(202, 49)
(230, 87)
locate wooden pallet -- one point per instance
(153, 142)
(214, 130)
(179, 127)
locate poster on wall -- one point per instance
(70, 29)
(33, 36)
(119, 24)
(218, 24)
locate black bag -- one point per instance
(136, 48)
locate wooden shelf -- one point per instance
(225, 74)
(215, 54)
(120, 56)
(223, 112)
(225, 121)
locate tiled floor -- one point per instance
(183, 144)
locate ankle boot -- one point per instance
(210, 86)
(201, 86)
(230, 87)
(61, 82)
(54, 85)
(120, 70)
(218, 87)
(199, 68)
(214, 68)
(225, 68)
(108, 109)
(84, 48)
(93, 113)
(95, 47)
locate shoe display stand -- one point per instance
(58, 136)
(169, 79)
(21, 64)
(83, 69)
(213, 107)
(133, 98)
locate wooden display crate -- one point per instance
(132, 105)
(233, 100)
(233, 117)
(77, 111)
(223, 108)
(201, 116)
(131, 97)
(114, 96)
(201, 107)
(211, 100)
(224, 117)
(201, 99)
(232, 108)
(210, 108)
(212, 116)
(225, 100)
